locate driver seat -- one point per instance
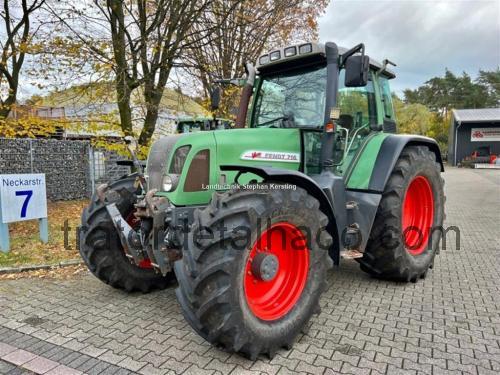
(346, 121)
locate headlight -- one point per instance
(169, 182)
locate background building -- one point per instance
(472, 130)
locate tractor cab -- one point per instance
(294, 88)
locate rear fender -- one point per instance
(312, 187)
(388, 155)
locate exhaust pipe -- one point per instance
(246, 94)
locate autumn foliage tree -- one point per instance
(139, 42)
(16, 37)
(243, 30)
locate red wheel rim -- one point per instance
(273, 299)
(135, 223)
(418, 215)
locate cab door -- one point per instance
(358, 117)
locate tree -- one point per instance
(140, 41)
(412, 118)
(441, 94)
(242, 30)
(17, 35)
(438, 129)
(490, 80)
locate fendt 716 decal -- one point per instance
(290, 157)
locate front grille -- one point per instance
(199, 172)
(157, 160)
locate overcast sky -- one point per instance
(422, 37)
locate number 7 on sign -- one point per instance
(28, 194)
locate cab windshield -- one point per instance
(292, 99)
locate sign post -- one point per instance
(22, 197)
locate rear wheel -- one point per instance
(101, 249)
(406, 232)
(254, 268)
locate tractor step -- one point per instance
(351, 254)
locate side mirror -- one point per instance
(215, 98)
(356, 71)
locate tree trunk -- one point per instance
(6, 105)
(123, 89)
(153, 100)
(123, 101)
(153, 94)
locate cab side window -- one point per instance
(385, 91)
(357, 105)
(358, 111)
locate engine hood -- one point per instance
(270, 147)
(259, 147)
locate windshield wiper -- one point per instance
(285, 117)
(273, 120)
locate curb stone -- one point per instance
(36, 267)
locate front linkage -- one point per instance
(162, 227)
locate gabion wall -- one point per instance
(70, 168)
(65, 164)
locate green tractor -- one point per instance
(247, 219)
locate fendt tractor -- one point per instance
(247, 219)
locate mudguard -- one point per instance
(308, 184)
(389, 153)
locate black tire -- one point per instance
(386, 255)
(101, 249)
(210, 275)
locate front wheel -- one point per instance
(102, 251)
(408, 226)
(254, 268)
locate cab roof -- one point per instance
(305, 51)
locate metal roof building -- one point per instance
(471, 129)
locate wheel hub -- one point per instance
(265, 266)
(276, 271)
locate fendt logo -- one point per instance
(288, 157)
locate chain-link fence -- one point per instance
(72, 168)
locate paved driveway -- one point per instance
(447, 323)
